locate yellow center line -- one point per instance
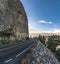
(10, 47)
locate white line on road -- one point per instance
(8, 60)
(18, 54)
(23, 51)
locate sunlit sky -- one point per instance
(43, 15)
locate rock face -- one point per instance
(13, 19)
(41, 55)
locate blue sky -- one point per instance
(43, 15)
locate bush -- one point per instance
(2, 42)
(58, 53)
(51, 45)
(42, 39)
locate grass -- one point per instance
(2, 42)
(8, 42)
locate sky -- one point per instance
(43, 15)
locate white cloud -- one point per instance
(50, 23)
(34, 28)
(39, 31)
(53, 30)
(42, 21)
(34, 31)
(45, 22)
(56, 30)
(31, 30)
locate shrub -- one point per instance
(58, 53)
(42, 39)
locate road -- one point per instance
(13, 54)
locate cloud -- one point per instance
(32, 31)
(45, 22)
(34, 28)
(56, 30)
(50, 23)
(39, 31)
(35, 31)
(42, 21)
(53, 30)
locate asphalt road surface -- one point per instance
(14, 53)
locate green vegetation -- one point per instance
(58, 53)
(2, 42)
(6, 35)
(8, 42)
(42, 39)
(52, 43)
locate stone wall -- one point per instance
(13, 19)
(40, 55)
(43, 55)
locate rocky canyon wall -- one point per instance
(13, 20)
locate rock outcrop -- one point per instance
(13, 19)
(40, 55)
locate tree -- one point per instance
(42, 39)
(51, 44)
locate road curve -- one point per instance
(13, 54)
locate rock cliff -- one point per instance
(40, 55)
(13, 19)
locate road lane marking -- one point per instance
(10, 47)
(23, 51)
(18, 54)
(8, 60)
